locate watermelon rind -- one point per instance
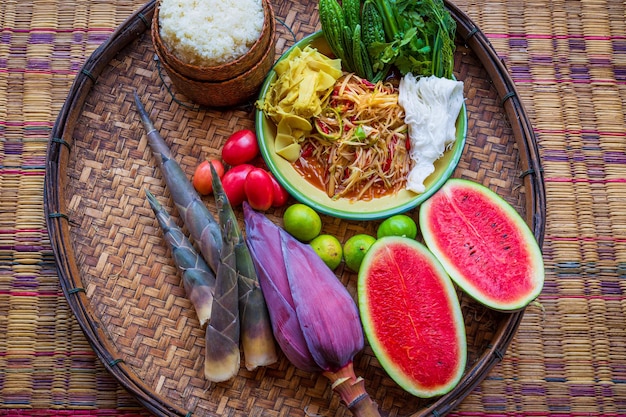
(492, 257)
(412, 317)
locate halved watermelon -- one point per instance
(484, 244)
(411, 316)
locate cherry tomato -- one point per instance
(202, 177)
(280, 195)
(241, 147)
(233, 181)
(259, 189)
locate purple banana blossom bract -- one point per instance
(262, 238)
(315, 320)
(328, 316)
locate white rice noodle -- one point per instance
(431, 106)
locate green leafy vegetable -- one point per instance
(420, 37)
(415, 36)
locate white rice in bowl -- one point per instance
(210, 32)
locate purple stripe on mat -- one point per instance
(41, 37)
(586, 238)
(72, 413)
(581, 132)
(576, 45)
(23, 248)
(26, 124)
(35, 71)
(604, 81)
(610, 288)
(6, 30)
(14, 231)
(517, 43)
(45, 354)
(32, 294)
(600, 60)
(38, 65)
(78, 37)
(532, 414)
(562, 155)
(619, 46)
(586, 180)
(533, 389)
(580, 73)
(47, 36)
(97, 38)
(13, 148)
(618, 299)
(615, 157)
(542, 59)
(520, 72)
(552, 36)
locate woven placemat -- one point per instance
(569, 354)
(47, 367)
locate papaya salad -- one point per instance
(359, 146)
(354, 138)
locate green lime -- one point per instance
(398, 225)
(355, 248)
(329, 249)
(302, 222)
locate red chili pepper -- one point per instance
(307, 151)
(322, 127)
(367, 83)
(387, 164)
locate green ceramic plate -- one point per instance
(307, 193)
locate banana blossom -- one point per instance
(314, 318)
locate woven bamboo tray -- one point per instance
(117, 274)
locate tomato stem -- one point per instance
(352, 392)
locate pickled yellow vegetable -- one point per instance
(304, 81)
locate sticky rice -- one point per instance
(210, 32)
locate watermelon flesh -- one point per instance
(484, 245)
(411, 316)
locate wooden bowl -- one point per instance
(226, 93)
(226, 85)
